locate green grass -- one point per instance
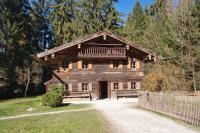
(184, 123)
(73, 122)
(19, 106)
(2, 69)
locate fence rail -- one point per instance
(183, 107)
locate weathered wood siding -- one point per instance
(100, 69)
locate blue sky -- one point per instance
(126, 6)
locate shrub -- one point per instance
(54, 96)
(165, 77)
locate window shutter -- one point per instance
(129, 85)
(111, 64)
(90, 66)
(111, 86)
(120, 85)
(90, 86)
(80, 64)
(138, 85)
(79, 87)
(137, 64)
(129, 63)
(70, 65)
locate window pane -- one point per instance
(133, 85)
(85, 65)
(133, 64)
(84, 86)
(67, 87)
(65, 64)
(116, 86)
(115, 64)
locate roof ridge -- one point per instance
(89, 37)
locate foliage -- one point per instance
(71, 19)
(165, 76)
(171, 29)
(54, 96)
(136, 24)
(168, 27)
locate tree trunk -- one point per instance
(28, 81)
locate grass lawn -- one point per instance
(19, 106)
(73, 122)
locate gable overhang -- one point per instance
(96, 35)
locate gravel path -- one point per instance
(125, 117)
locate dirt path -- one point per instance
(127, 118)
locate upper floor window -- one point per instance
(133, 85)
(65, 64)
(116, 86)
(84, 86)
(115, 64)
(133, 65)
(85, 65)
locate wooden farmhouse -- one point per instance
(99, 66)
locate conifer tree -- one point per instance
(136, 25)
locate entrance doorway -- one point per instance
(103, 89)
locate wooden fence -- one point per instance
(178, 105)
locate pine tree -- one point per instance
(136, 25)
(40, 13)
(21, 39)
(61, 19)
(71, 19)
(187, 30)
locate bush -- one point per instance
(165, 77)
(54, 96)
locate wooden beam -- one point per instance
(149, 57)
(79, 46)
(104, 37)
(52, 56)
(46, 58)
(127, 47)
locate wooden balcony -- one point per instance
(102, 52)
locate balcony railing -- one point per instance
(103, 52)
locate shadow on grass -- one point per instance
(63, 105)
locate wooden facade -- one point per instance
(100, 66)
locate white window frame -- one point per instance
(115, 64)
(65, 64)
(85, 65)
(83, 87)
(133, 85)
(116, 86)
(133, 65)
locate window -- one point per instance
(116, 86)
(85, 65)
(115, 64)
(84, 86)
(67, 87)
(133, 85)
(65, 64)
(133, 65)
